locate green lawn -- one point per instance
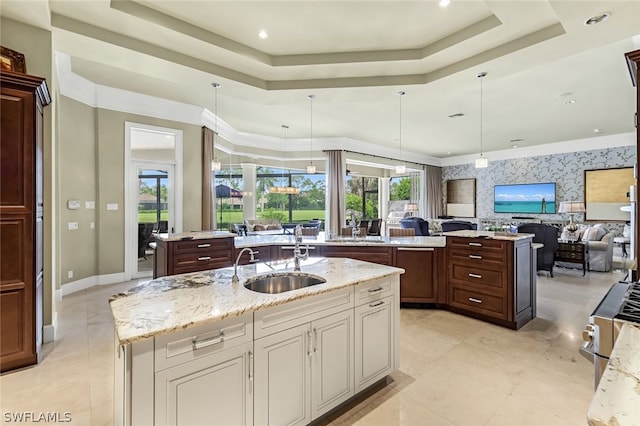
(229, 217)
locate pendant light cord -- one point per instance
(481, 76)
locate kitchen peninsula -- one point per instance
(487, 275)
(199, 348)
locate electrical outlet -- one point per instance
(69, 274)
(73, 226)
(92, 225)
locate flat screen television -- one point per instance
(534, 198)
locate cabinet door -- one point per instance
(282, 375)
(212, 390)
(418, 283)
(374, 342)
(331, 362)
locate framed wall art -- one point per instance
(461, 198)
(605, 191)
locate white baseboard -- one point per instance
(85, 283)
(49, 330)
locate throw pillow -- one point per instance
(273, 227)
(259, 227)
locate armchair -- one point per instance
(418, 224)
(546, 235)
(601, 253)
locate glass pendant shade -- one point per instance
(401, 169)
(311, 169)
(216, 165)
(482, 163)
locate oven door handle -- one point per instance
(586, 350)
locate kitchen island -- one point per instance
(198, 348)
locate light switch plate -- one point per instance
(73, 204)
(90, 205)
(112, 206)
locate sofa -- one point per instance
(418, 224)
(457, 225)
(599, 246)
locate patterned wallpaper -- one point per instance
(566, 170)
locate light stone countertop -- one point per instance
(261, 240)
(194, 235)
(488, 234)
(617, 398)
(177, 302)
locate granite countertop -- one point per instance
(194, 235)
(617, 398)
(488, 234)
(260, 240)
(177, 302)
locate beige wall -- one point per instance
(91, 164)
(35, 44)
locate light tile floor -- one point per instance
(454, 370)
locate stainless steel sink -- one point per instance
(281, 282)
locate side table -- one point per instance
(573, 252)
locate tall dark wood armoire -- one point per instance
(21, 218)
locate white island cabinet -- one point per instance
(263, 359)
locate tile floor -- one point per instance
(453, 370)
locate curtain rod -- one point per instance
(375, 156)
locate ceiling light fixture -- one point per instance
(400, 168)
(597, 18)
(481, 162)
(281, 189)
(311, 169)
(216, 165)
(444, 3)
(263, 34)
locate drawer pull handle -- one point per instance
(373, 305)
(476, 244)
(375, 290)
(204, 258)
(204, 245)
(199, 344)
(475, 275)
(474, 256)
(474, 300)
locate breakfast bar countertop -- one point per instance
(176, 302)
(617, 398)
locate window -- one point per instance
(399, 193)
(229, 196)
(361, 197)
(308, 204)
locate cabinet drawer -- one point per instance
(380, 255)
(288, 315)
(492, 279)
(200, 262)
(373, 290)
(204, 245)
(476, 301)
(186, 345)
(469, 256)
(478, 244)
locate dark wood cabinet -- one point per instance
(23, 99)
(260, 254)
(573, 252)
(491, 279)
(380, 255)
(419, 283)
(192, 255)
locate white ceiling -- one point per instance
(355, 55)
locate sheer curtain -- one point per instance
(433, 191)
(208, 194)
(336, 169)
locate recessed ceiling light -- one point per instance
(597, 130)
(444, 3)
(456, 115)
(597, 18)
(570, 101)
(263, 34)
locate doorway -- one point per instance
(153, 202)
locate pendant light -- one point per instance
(216, 165)
(400, 168)
(481, 163)
(311, 168)
(284, 189)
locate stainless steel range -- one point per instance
(621, 304)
